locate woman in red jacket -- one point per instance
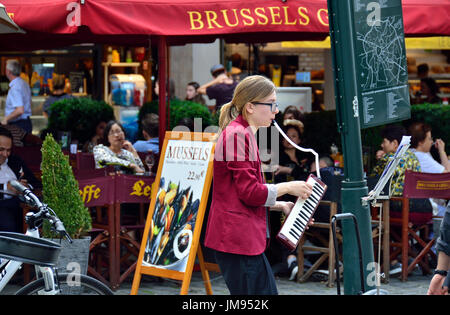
(237, 228)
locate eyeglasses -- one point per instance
(115, 132)
(273, 106)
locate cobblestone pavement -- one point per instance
(416, 285)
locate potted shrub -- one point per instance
(61, 192)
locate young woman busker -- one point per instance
(237, 228)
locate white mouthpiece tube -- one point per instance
(300, 148)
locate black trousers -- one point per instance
(247, 275)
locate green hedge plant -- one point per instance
(435, 115)
(61, 190)
(178, 109)
(79, 116)
(321, 128)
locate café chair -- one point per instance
(32, 156)
(85, 161)
(325, 245)
(415, 226)
(98, 248)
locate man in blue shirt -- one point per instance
(18, 101)
(150, 131)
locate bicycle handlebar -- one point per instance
(57, 224)
(45, 212)
(27, 193)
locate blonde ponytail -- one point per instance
(228, 113)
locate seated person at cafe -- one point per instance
(150, 131)
(293, 163)
(420, 209)
(422, 142)
(392, 136)
(97, 138)
(118, 151)
(292, 113)
(12, 168)
(192, 94)
(324, 161)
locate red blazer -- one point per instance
(237, 221)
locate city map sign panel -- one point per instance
(381, 61)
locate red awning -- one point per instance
(426, 17)
(206, 17)
(220, 17)
(44, 16)
(198, 20)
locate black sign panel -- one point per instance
(381, 61)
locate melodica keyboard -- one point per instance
(295, 224)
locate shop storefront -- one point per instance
(88, 70)
(308, 64)
(38, 70)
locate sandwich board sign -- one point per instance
(179, 196)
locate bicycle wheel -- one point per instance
(69, 285)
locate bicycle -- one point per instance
(17, 249)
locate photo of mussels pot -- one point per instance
(171, 231)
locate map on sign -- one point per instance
(381, 60)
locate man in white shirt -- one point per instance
(18, 101)
(12, 168)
